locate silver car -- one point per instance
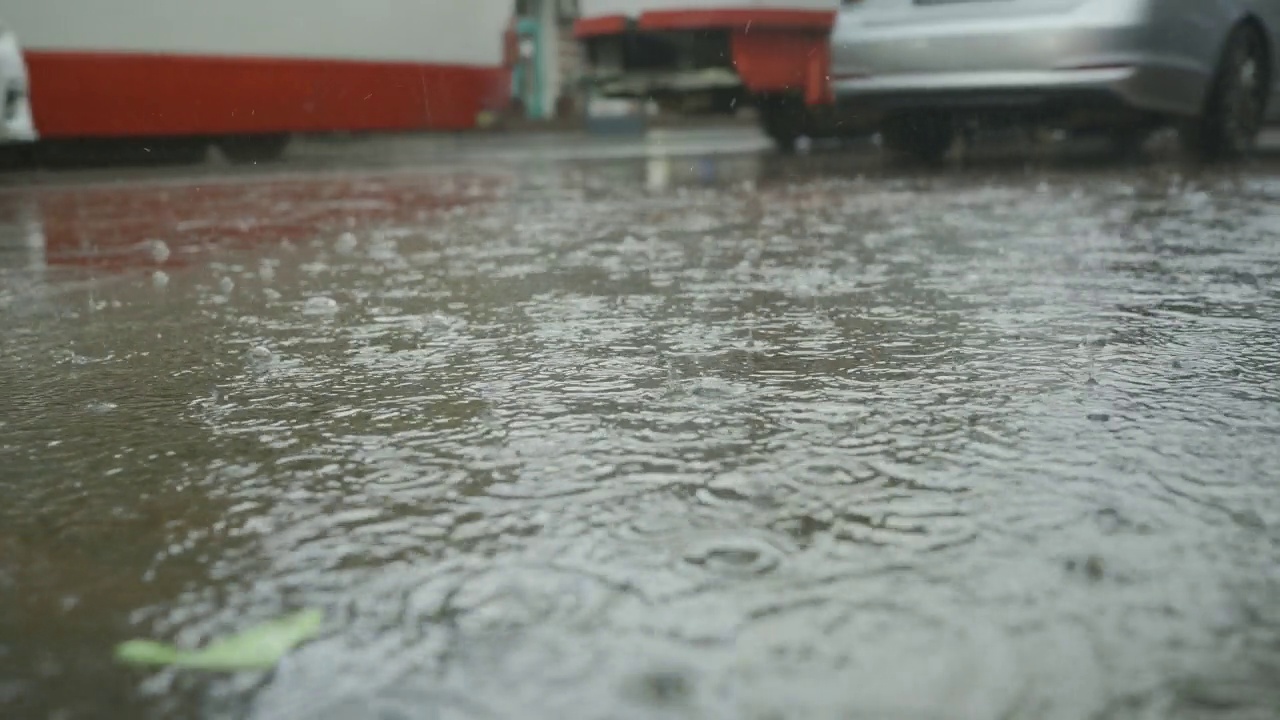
(917, 70)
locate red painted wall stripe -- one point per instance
(116, 95)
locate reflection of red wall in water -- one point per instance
(85, 94)
(111, 226)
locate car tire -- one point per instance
(251, 149)
(1128, 143)
(920, 136)
(1228, 127)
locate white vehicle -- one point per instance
(16, 125)
(246, 74)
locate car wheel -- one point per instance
(920, 136)
(1232, 118)
(1128, 143)
(248, 149)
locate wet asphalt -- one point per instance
(597, 427)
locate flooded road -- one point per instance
(677, 435)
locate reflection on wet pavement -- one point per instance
(647, 439)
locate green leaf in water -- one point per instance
(258, 648)
(146, 652)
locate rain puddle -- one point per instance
(582, 444)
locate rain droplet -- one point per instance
(320, 305)
(160, 279)
(159, 250)
(346, 243)
(226, 285)
(266, 273)
(735, 556)
(260, 354)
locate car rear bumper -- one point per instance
(1110, 89)
(1119, 58)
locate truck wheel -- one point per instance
(782, 119)
(252, 149)
(17, 155)
(98, 152)
(785, 143)
(1232, 117)
(177, 150)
